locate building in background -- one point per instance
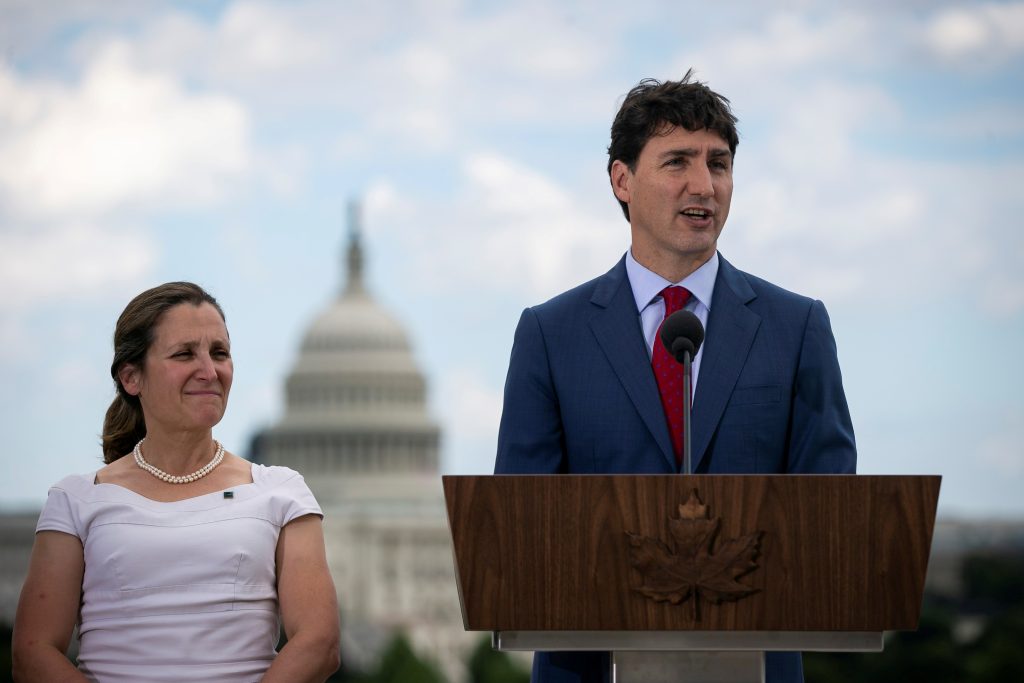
(17, 532)
(356, 425)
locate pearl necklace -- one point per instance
(175, 479)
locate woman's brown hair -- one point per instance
(124, 424)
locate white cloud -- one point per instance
(266, 37)
(957, 31)
(472, 411)
(427, 70)
(815, 124)
(784, 43)
(983, 33)
(1003, 295)
(509, 228)
(1001, 448)
(885, 230)
(981, 122)
(14, 337)
(70, 261)
(474, 406)
(121, 138)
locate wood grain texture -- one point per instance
(838, 552)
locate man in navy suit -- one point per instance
(581, 395)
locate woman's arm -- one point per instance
(309, 606)
(48, 609)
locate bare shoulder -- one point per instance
(238, 467)
(116, 472)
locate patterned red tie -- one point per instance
(669, 373)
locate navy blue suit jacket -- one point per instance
(581, 397)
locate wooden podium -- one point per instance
(687, 577)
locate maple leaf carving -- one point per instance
(691, 566)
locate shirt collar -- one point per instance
(647, 284)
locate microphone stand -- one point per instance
(687, 408)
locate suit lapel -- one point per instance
(616, 326)
(730, 333)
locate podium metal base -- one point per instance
(688, 656)
(687, 667)
(711, 641)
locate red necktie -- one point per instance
(669, 373)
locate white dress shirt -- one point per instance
(647, 286)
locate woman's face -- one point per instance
(187, 376)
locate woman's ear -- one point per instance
(130, 378)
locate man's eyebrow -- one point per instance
(680, 152)
(693, 151)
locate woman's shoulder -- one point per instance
(64, 504)
(286, 488)
(76, 485)
(269, 476)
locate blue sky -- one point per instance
(879, 169)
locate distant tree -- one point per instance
(927, 654)
(998, 655)
(832, 667)
(346, 674)
(994, 578)
(994, 587)
(5, 653)
(486, 665)
(399, 664)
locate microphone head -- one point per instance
(682, 332)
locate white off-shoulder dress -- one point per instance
(182, 591)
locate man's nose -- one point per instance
(698, 181)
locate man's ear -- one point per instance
(621, 179)
(130, 378)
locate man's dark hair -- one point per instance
(651, 105)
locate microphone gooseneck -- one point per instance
(682, 334)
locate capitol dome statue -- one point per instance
(356, 425)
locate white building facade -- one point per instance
(356, 425)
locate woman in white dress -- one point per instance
(178, 561)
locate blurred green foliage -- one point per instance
(398, 663)
(489, 666)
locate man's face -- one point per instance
(678, 197)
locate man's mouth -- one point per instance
(696, 213)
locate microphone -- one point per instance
(682, 334)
